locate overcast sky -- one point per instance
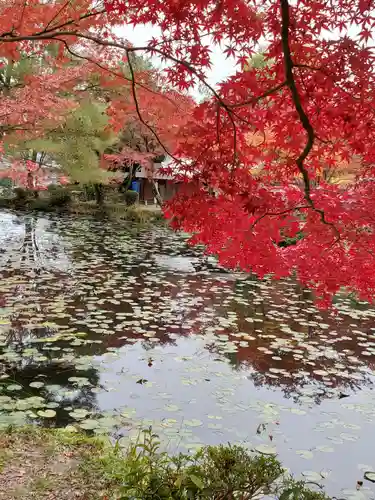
(221, 66)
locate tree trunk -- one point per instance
(126, 183)
(156, 192)
(99, 194)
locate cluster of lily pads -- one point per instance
(107, 328)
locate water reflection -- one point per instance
(122, 324)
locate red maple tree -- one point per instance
(312, 102)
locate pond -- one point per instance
(108, 328)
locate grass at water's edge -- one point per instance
(45, 464)
(118, 211)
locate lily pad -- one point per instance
(47, 413)
(36, 385)
(266, 449)
(370, 476)
(89, 424)
(311, 475)
(193, 422)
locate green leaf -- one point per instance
(197, 481)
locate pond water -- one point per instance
(109, 328)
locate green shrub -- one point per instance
(40, 204)
(213, 473)
(21, 194)
(5, 182)
(142, 472)
(287, 242)
(131, 197)
(89, 192)
(59, 196)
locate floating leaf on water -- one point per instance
(297, 411)
(311, 475)
(192, 447)
(307, 454)
(365, 467)
(370, 476)
(47, 413)
(13, 387)
(193, 422)
(348, 437)
(266, 449)
(169, 422)
(214, 426)
(325, 448)
(36, 385)
(171, 408)
(89, 424)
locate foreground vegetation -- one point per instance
(57, 463)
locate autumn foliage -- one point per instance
(309, 106)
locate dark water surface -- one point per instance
(108, 328)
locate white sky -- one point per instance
(221, 66)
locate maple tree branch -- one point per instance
(218, 124)
(140, 117)
(270, 214)
(255, 99)
(52, 34)
(290, 82)
(57, 14)
(110, 71)
(67, 23)
(22, 14)
(49, 34)
(304, 119)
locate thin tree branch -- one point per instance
(140, 117)
(255, 99)
(272, 214)
(22, 14)
(290, 82)
(74, 22)
(114, 73)
(57, 14)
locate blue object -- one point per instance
(135, 186)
